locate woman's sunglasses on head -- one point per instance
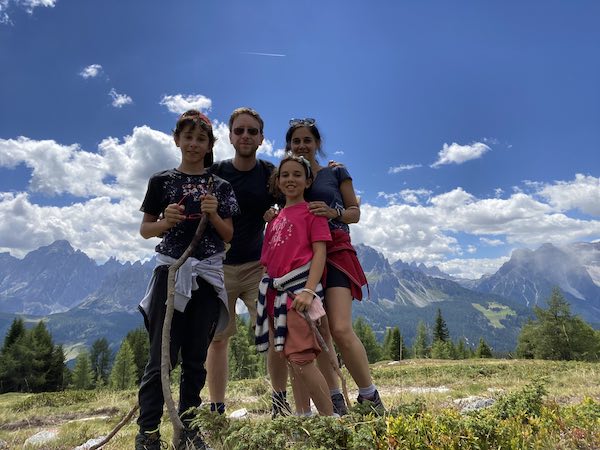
(307, 122)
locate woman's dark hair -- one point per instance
(312, 127)
(273, 185)
(192, 119)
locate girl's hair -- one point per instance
(311, 124)
(273, 185)
(194, 118)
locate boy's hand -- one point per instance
(209, 204)
(302, 301)
(174, 213)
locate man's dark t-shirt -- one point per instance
(252, 192)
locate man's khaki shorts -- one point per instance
(241, 281)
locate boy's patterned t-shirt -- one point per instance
(173, 186)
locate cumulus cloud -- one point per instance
(458, 154)
(119, 100)
(91, 71)
(27, 5)
(179, 104)
(107, 185)
(403, 167)
(582, 193)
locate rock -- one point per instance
(90, 443)
(42, 437)
(238, 413)
(3, 444)
(473, 403)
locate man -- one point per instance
(249, 177)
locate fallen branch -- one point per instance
(116, 429)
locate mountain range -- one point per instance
(83, 301)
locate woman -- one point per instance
(332, 196)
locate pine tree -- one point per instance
(366, 335)
(55, 380)
(15, 332)
(393, 347)
(483, 350)
(421, 343)
(556, 334)
(123, 374)
(461, 350)
(82, 375)
(140, 346)
(100, 357)
(440, 330)
(43, 349)
(17, 359)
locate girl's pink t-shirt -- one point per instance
(289, 237)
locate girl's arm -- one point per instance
(304, 299)
(224, 227)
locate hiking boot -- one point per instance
(149, 440)
(374, 402)
(339, 404)
(280, 406)
(191, 440)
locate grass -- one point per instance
(494, 313)
(566, 384)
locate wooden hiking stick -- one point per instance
(115, 430)
(332, 357)
(165, 361)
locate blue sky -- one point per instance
(470, 128)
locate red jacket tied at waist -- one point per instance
(342, 256)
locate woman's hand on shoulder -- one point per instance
(270, 214)
(322, 209)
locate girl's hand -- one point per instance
(174, 214)
(302, 301)
(209, 204)
(322, 209)
(270, 214)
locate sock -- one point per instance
(217, 407)
(367, 392)
(332, 392)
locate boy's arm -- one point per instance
(224, 227)
(304, 299)
(151, 225)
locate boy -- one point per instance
(181, 196)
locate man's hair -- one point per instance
(250, 112)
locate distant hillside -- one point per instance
(82, 301)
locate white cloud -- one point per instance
(91, 71)
(492, 242)
(27, 5)
(119, 100)
(179, 104)
(403, 167)
(458, 154)
(582, 193)
(109, 182)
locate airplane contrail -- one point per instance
(279, 55)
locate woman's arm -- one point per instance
(351, 213)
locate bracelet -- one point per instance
(310, 291)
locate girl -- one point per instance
(293, 254)
(332, 196)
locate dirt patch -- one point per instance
(58, 419)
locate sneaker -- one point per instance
(149, 440)
(191, 440)
(374, 402)
(280, 406)
(339, 404)
(218, 407)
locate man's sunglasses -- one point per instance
(238, 131)
(307, 122)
